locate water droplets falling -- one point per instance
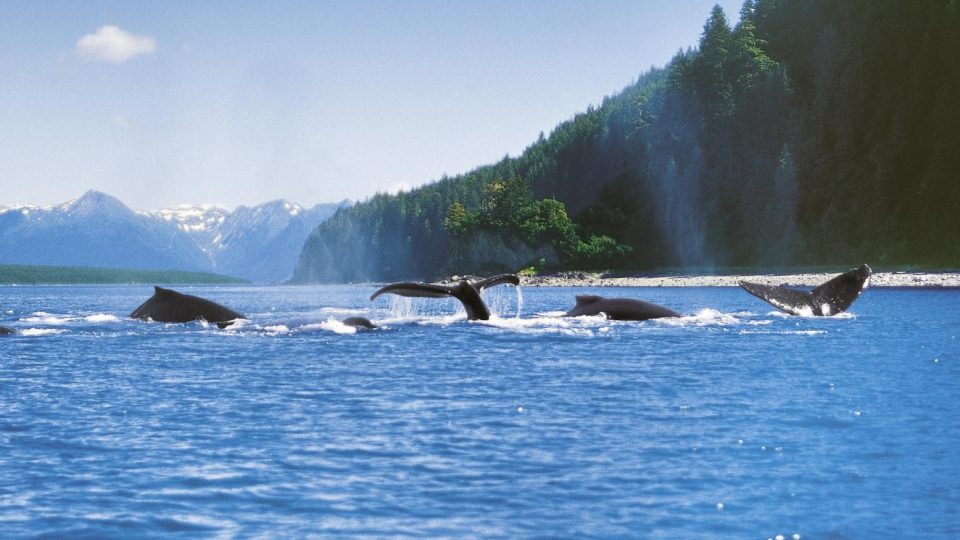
(519, 300)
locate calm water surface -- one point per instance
(734, 421)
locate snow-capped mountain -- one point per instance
(95, 230)
(201, 220)
(259, 243)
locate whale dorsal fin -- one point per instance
(160, 291)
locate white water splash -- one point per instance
(237, 324)
(276, 329)
(340, 312)
(42, 317)
(807, 313)
(425, 311)
(784, 332)
(500, 302)
(101, 318)
(568, 326)
(33, 332)
(704, 317)
(519, 301)
(331, 325)
(440, 320)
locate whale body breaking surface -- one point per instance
(620, 309)
(167, 305)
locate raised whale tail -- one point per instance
(832, 297)
(840, 292)
(789, 300)
(418, 290)
(466, 292)
(502, 279)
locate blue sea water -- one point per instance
(735, 421)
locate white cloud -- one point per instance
(113, 44)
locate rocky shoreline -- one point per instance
(879, 279)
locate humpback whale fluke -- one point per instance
(621, 309)
(167, 305)
(834, 296)
(466, 292)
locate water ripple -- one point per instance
(723, 423)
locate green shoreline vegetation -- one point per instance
(85, 275)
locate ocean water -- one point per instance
(733, 421)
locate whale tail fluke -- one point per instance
(833, 296)
(840, 292)
(466, 292)
(502, 279)
(430, 290)
(788, 300)
(415, 290)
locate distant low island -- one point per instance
(16, 274)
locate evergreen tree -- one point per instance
(709, 70)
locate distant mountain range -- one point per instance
(260, 243)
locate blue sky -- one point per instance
(164, 103)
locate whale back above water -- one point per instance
(468, 293)
(167, 305)
(621, 309)
(832, 297)
(359, 322)
(4, 331)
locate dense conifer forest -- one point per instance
(811, 133)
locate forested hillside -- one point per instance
(814, 133)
